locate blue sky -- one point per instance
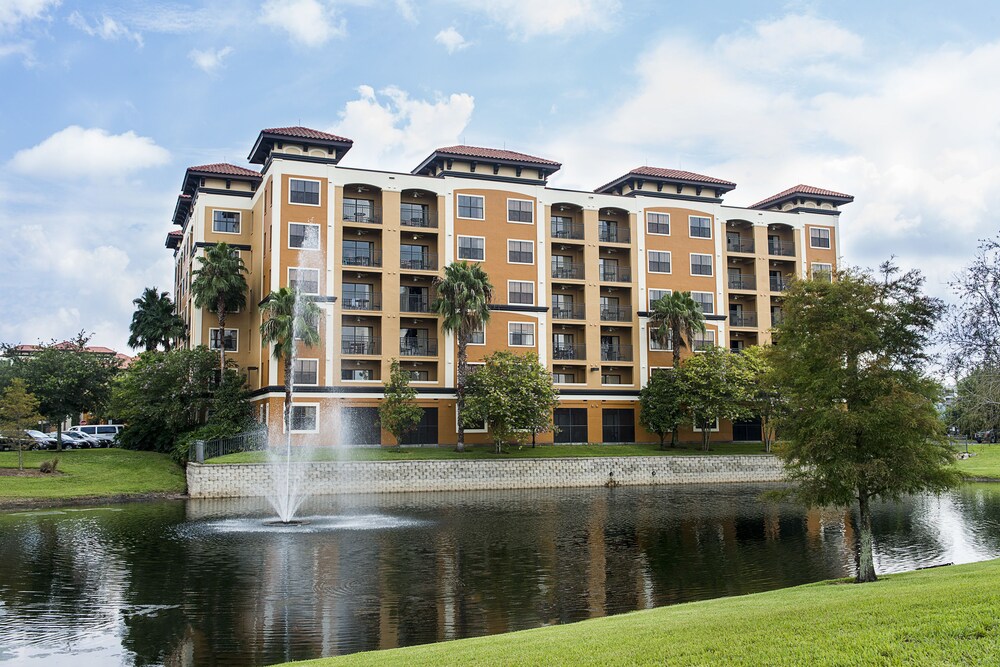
(106, 103)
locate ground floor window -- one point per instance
(747, 431)
(304, 418)
(426, 432)
(571, 424)
(619, 425)
(360, 426)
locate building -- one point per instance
(574, 271)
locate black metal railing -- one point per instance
(743, 319)
(616, 314)
(741, 245)
(360, 345)
(778, 284)
(426, 262)
(425, 220)
(703, 344)
(614, 235)
(418, 347)
(368, 216)
(567, 230)
(742, 282)
(616, 353)
(616, 274)
(370, 258)
(781, 248)
(568, 270)
(249, 441)
(371, 301)
(564, 351)
(574, 312)
(415, 303)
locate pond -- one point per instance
(196, 582)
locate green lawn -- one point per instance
(486, 452)
(943, 616)
(93, 472)
(984, 464)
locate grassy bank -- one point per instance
(943, 616)
(486, 452)
(985, 462)
(92, 472)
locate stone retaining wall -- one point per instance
(255, 479)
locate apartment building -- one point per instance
(574, 273)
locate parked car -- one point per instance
(80, 440)
(105, 433)
(989, 435)
(43, 440)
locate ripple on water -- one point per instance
(303, 525)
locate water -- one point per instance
(211, 582)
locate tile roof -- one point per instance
(670, 174)
(65, 345)
(801, 189)
(305, 133)
(225, 169)
(495, 154)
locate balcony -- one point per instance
(359, 345)
(616, 274)
(741, 245)
(418, 347)
(567, 230)
(366, 216)
(361, 302)
(410, 220)
(413, 303)
(372, 258)
(616, 353)
(569, 312)
(568, 270)
(779, 284)
(781, 248)
(743, 319)
(616, 314)
(564, 352)
(425, 262)
(743, 282)
(614, 235)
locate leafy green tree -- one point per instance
(674, 319)
(513, 395)
(859, 420)
(398, 411)
(220, 286)
(289, 319)
(464, 295)
(977, 399)
(763, 399)
(18, 412)
(661, 405)
(154, 322)
(715, 386)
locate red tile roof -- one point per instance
(672, 175)
(177, 233)
(225, 169)
(801, 189)
(305, 133)
(495, 154)
(65, 345)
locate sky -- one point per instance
(104, 105)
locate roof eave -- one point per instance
(258, 154)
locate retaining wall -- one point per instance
(255, 479)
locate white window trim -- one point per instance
(649, 291)
(530, 243)
(649, 261)
(319, 243)
(695, 428)
(708, 333)
(227, 210)
(534, 336)
(691, 257)
(211, 329)
(307, 180)
(649, 343)
(518, 222)
(829, 238)
(712, 294)
(670, 224)
(711, 232)
(524, 282)
(300, 405)
(813, 270)
(305, 268)
(309, 384)
(458, 248)
(484, 339)
(457, 207)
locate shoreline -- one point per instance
(76, 501)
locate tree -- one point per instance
(971, 329)
(398, 411)
(18, 412)
(513, 395)
(661, 406)
(220, 287)
(763, 399)
(858, 419)
(289, 318)
(674, 319)
(715, 386)
(154, 322)
(463, 301)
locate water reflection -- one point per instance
(191, 583)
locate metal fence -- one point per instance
(250, 441)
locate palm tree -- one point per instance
(283, 326)
(463, 302)
(154, 321)
(673, 318)
(220, 287)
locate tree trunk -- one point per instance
(222, 338)
(674, 437)
(866, 561)
(662, 441)
(704, 438)
(287, 412)
(59, 436)
(675, 342)
(20, 454)
(460, 389)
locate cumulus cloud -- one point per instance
(15, 12)
(393, 131)
(451, 40)
(209, 60)
(796, 40)
(309, 22)
(407, 10)
(77, 152)
(106, 28)
(530, 19)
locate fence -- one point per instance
(250, 441)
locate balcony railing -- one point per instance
(425, 220)
(743, 319)
(365, 216)
(616, 274)
(703, 344)
(616, 353)
(616, 314)
(779, 284)
(742, 245)
(414, 303)
(568, 271)
(781, 248)
(567, 230)
(418, 347)
(614, 235)
(370, 258)
(574, 312)
(360, 345)
(425, 262)
(563, 351)
(742, 282)
(361, 302)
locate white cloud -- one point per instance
(311, 22)
(78, 152)
(106, 28)
(209, 60)
(525, 19)
(451, 40)
(407, 10)
(15, 12)
(792, 41)
(395, 131)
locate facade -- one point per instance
(574, 273)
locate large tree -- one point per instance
(220, 286)
(18, 412)
(971, 328)
(715, 385)
(398, 411)
(661, 405)
(463, 300)
(674, 319)
(763, 399)
(858, 419)
(154, 322)
(290, 318)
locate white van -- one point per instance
(106, 433)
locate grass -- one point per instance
(486, 452)
(986, 462)
(92, 472)
(943, 616)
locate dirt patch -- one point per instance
(14, 472)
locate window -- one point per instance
(564, 378)
(700, 227)
(609, 378)
(706, 300)
(659, 261)
(520, 334)
(357, 374)
(655, 345)
(414, 215)
(472, 247)
(230, 340)
(519, 291)
(520, 210)
(657, 294)
(658, 223)
(306, 371)
(359, 210)
(305, 281)
(821, 271)
(704, 341)
(303, 236)
(819, 237)
(303, 192)
(303, 418)
(419, 376)
(471, 206)
(701, 265)
(226, 222)
(478, 337)
(520, 252)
